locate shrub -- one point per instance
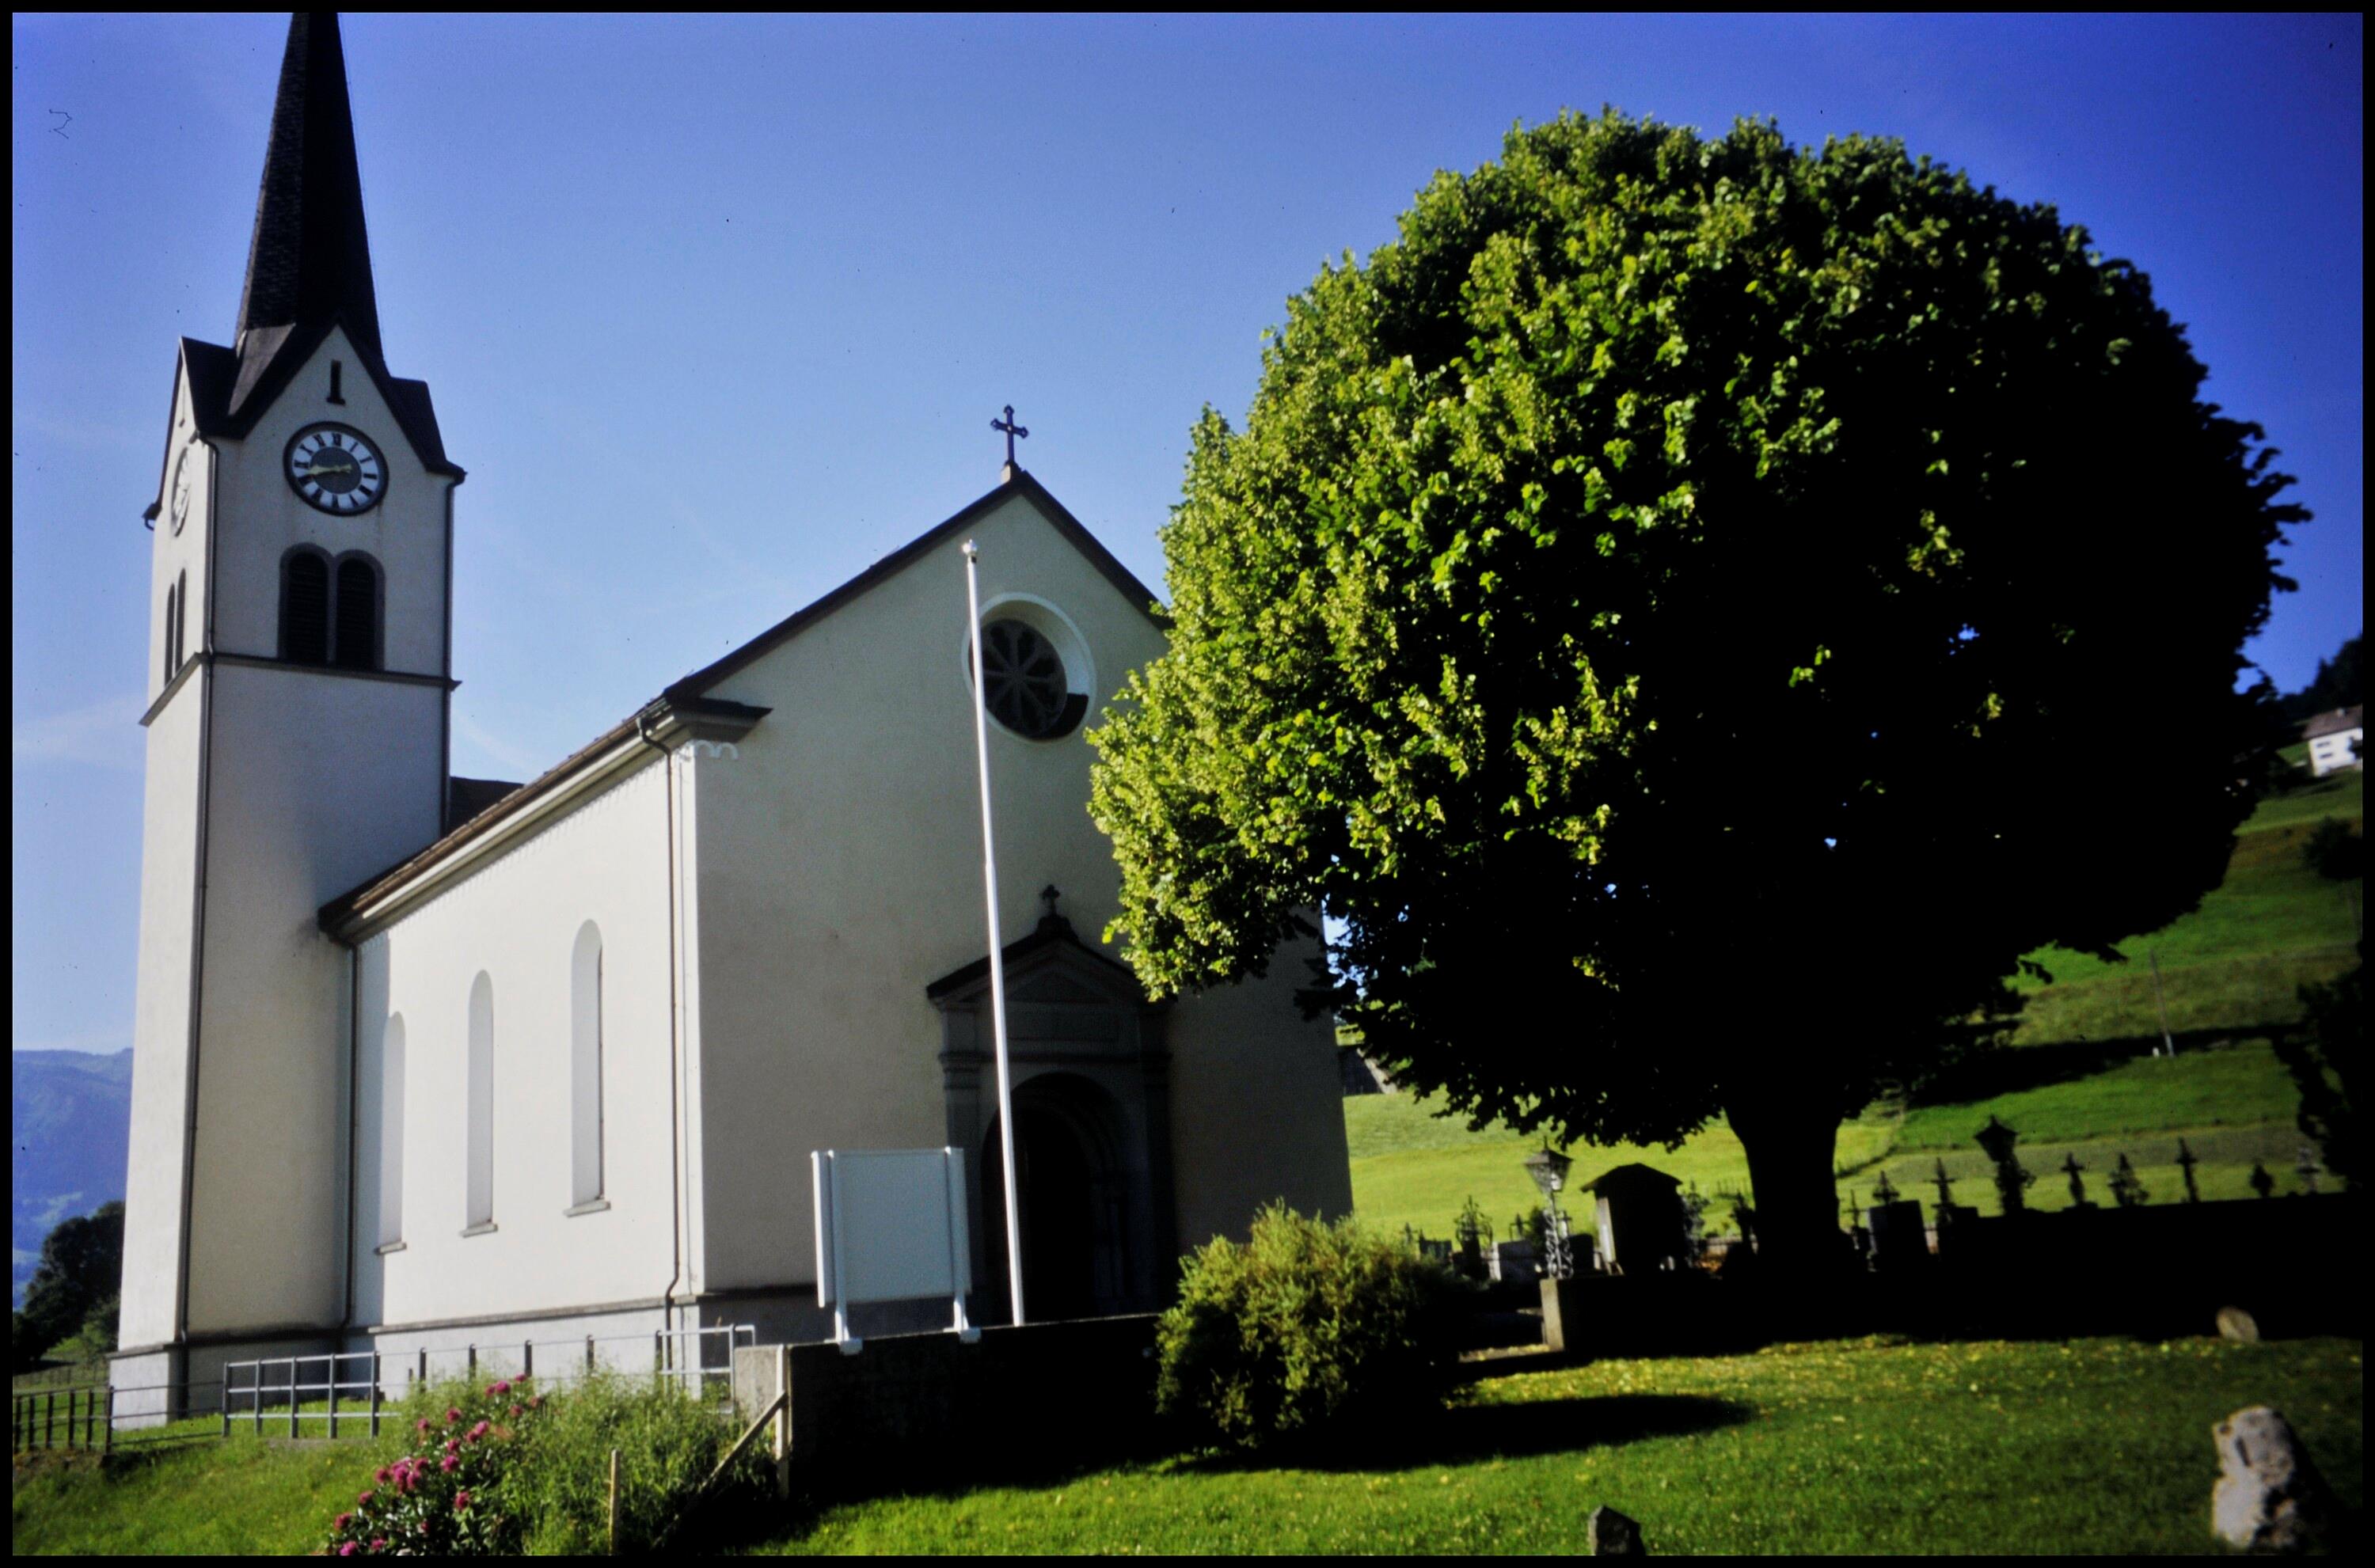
(448, 1492)
(1304, 1327)
(667, 1446)
(501, 1469)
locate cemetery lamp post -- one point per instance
(1549, 1170)
(1996, 1140)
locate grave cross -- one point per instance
(2306, 1166)
(2186, 1161)
(1883, 1191)
(1945, 1185)
(2127, 1187)
(1011, 430)
(2262, 1183)
(2070, 1167)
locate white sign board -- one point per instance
(891, 1227)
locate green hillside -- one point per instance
(2237, 962)
(2231, 969)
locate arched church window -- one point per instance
(305, 607)
(356, 621)
(585, 1066)
(480, 1100)
(391, 1132)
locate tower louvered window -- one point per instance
(358, 618)
(305, 607)
(180, 619)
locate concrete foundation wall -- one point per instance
(972, 1407)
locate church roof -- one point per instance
(220, 410)
(1020, 482)
(308, 261)
(689, 697)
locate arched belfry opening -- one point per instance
(1092, 1128)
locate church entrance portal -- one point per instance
(1075, 1245)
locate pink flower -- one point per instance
(379, 1543)
(342, 1521)
(421, 1425)
(453, 1445)
(497, 1390)
(453, 1414)
(461, 1500)
(362, 1499)
(516, 1410)
(380, 1475)
(348, 1548)
(535, 1401)
(447, 1463)
(481, 1430)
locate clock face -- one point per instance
(336, 469)
(183, 474)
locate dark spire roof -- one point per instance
(309, 262)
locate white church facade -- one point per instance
(421, 1060)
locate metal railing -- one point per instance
(287, 1385)
(86, 1416)
(350, 1392)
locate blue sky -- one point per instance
(716, 311)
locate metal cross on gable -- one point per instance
(1011, 430)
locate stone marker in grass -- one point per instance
(1608, 1533)
(2269, 1497)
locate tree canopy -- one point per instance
(1670, 605)
(2340, 682)
(82, 1262)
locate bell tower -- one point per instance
(300, 677)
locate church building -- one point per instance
(423, 1060)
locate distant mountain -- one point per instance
(70, 1125)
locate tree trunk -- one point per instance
(1789, 1146)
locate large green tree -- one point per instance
(1697, 611)
(82, 1262)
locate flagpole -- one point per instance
(996, 948)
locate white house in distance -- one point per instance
(421, 1060)
(2335, 740)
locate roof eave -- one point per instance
(1020, 484)
(363, 911)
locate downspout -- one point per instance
(676, 1153)
(354, 1116)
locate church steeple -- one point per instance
(310, 261)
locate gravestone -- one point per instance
(2269, 1497)
(1640, 1222)
(1514, 1261)
(1899, 1240)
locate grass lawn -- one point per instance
(2099, 1445)
(2091, 1446)
(204, 1497)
